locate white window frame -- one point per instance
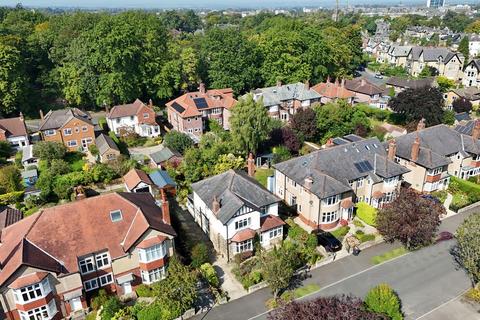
(275, 233)
(105, 279)
(330, 201)
(72, 143)
(50, 132)
(67, 131)
(246, 245)
(92, 284)
(44, 312)
(154, 275)
(434, 172)
(360, 182)
(102, 260)
(243, 223)
(331, 216)
(34, 292)
(88, 261)
(146, 115)
(153, 253)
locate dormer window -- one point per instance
(116, 215)
(146, 116)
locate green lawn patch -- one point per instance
(464, 193)
(389, 255)
(340, 232)
(305, 290)
(262, 174)
(76, 161)
(357, 223)
(366, 213)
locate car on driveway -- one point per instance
(378, 76)
(328, 241)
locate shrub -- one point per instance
(99, 299)
(473, 294)
(209, 273)
(359, 233)
(358, 223)
(144, 290)
(178, 141)
(382, 299)
(366, 213)
(110, 307)
(340, 232)
(440, 195)
(199, 255)
(93, 150)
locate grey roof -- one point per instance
(104, 143)
(476, 63)
(410, 83)
(27, 153)
(469, 93)
(401, 51)
(433, 54)
(437, 144)
(163, 155)
(295, 91)
(9, 216)
(55, 119)
(29, 173)
(416, 52)
(463, 116)
(333, 168)
(233, 190)
(466, 128)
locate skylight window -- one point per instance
(116, 215)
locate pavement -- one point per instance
(426, 280)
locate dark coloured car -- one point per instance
(328, 241)
(444, 236)
(431, 198)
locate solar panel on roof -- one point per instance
(200, 103)
(178, 107)
(363, 166)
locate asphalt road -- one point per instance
(425, 280)
(370, 76)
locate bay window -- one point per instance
(244, 246)
(41, 313)
(32, 292)
(153, 275)
(152, 253)
(329, 217)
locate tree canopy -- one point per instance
(467, 251)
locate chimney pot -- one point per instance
(476, 130)
(21, 116)
(329, 143)
(421, 124)
(150, 103)
(41, 114)
(165, 208)
(415, 149)
(308, 182)
(363, 82)
(392, 149)
(251, 165)
(307, 85)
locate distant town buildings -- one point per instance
(435, 3)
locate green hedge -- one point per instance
(366, 213)
(464, 193)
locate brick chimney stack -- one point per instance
(251, 165)
(165, 208)
(476, 130)
(392, 149)
(201, 88)
(328, 79)
(329, 143)
(415, 149)
(307, 85)
(363, 82)
(343, 83)
(215, 205)
(421, 124)
(279, 83)
(41, 114)
(308, 182)
(21, 116)
(150, 103)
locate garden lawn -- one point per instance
(262, 174)
(339, 233)
(76, 161)
(366, 213)
(389, 255)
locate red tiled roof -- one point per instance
(377, 194)
(333, 90)
(28, 279)
(243, 235)
(270, 222)
(134, 177)
(215, 98)
(346, 203)
(362, 86)
(13, 127)
(151, 242)
(9, 216)
(81, 227)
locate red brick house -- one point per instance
(14, 131)
(113, 241)
(190, 112)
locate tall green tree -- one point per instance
(13, 79)
(467, 251)
(277, 269)
(10, 179)
(249, 124)
(463, 48)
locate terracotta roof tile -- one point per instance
(346, 203)
(151, 242)
(134, 177)
(243, 235)
(270, 222)
(28, 279)
(13, 127)
(215, 98)
(125, 110)
(333, 90)
(9, 216)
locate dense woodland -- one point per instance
(94, 59)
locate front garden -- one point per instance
(464, 192)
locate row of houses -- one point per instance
(323, 187)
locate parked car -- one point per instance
(444, 236)
(378, 76)
(432, 198)
(328, 241)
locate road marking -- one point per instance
(338, 281)
(443, 304)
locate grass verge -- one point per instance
(303, 291)
(262, 174)
(389, 255)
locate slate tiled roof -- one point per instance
(469, 93)
(163, 155)
(13, 127)
(233, 189)
(81, 227)
(410, 83)
(105, 143)
(332, 168)
(294, 91)
(191, 104)
(437, 143)
(401, 51)
(55, 119)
